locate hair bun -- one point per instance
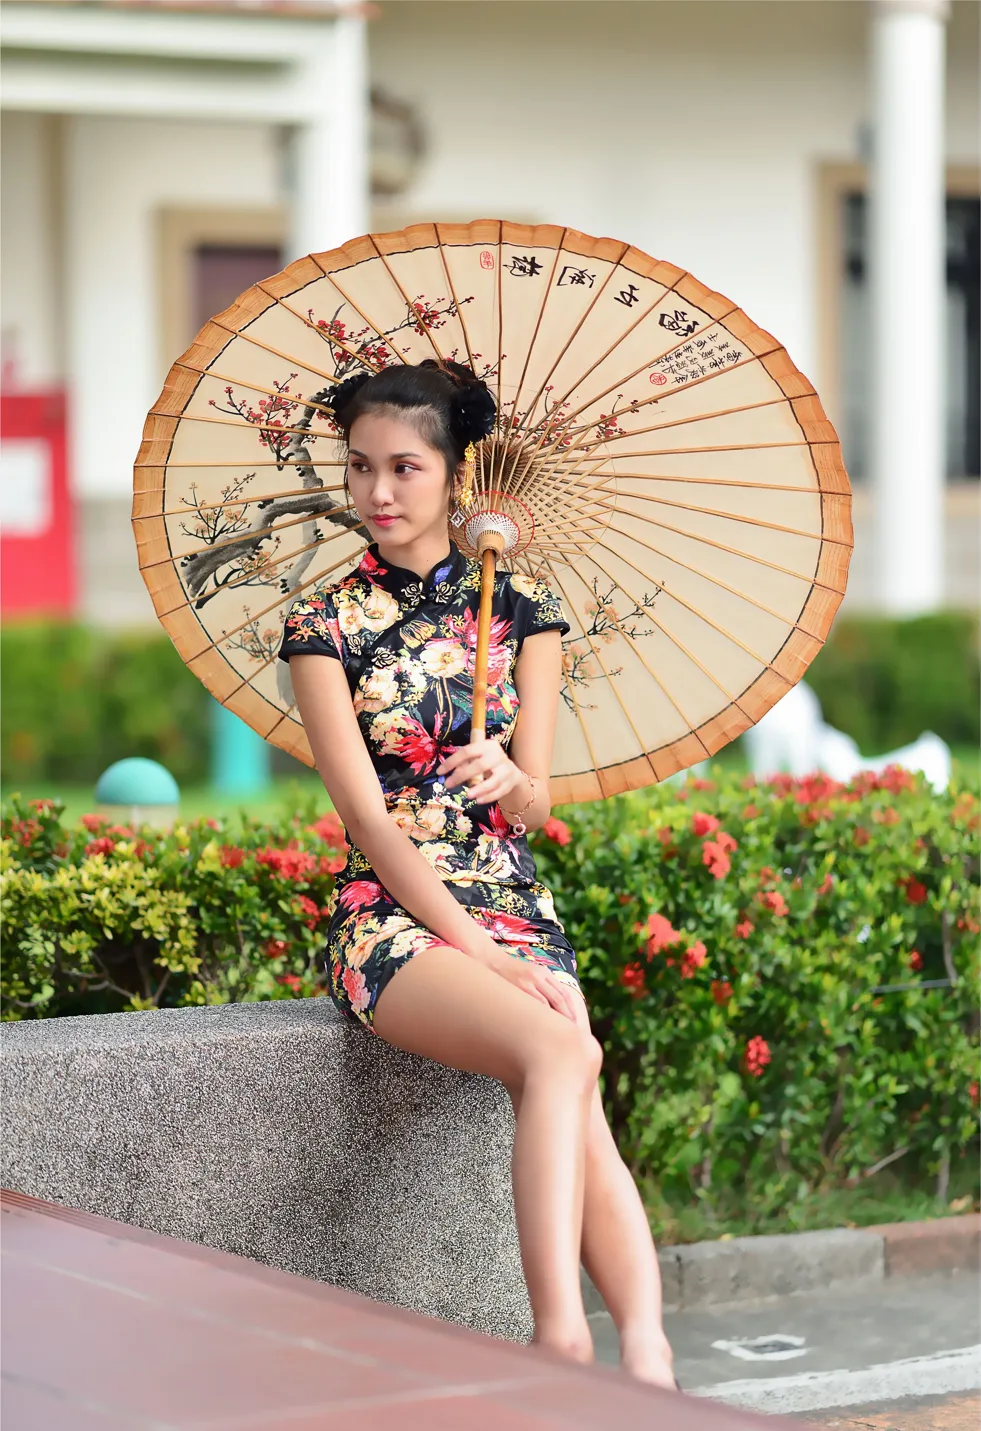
(338, 398)
(473, 412)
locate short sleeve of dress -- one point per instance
(311, 628)
(542, 609)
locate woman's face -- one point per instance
(398, 483)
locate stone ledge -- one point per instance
(750, 1269)
(280, 1132)
(945, 1244)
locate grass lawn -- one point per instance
(286, 793)
(883, 1198)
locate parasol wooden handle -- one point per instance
(490, 546)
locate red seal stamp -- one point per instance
(658, 379)
(486, 258)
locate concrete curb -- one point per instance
(751, 1269)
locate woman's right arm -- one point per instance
(323, 699)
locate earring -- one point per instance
(456, 512)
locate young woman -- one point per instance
(441, 939)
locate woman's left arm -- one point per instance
(537, 677)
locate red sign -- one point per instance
(37, 556)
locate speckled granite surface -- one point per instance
(280, 1132)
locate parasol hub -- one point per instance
(492, 531)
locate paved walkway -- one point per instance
(907, 1347)
(109, 1328)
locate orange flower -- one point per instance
(557, 830)
(745, 929)
(772, 899)
(703, 824)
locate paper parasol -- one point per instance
(664, 464)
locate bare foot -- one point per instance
(649, 1359)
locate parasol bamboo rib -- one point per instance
(567, 431)
(268, 348)
(364, 317)
(456, 302)
(245, 425)
(704, 575)
(332, 342)
(674, 392)
(285, 462)
(512, 416)
(715, 512)
(497, 472)
(590, 309)
(680, 645)
(631, 328)
(411, 309)
(719, 546)
(298, 399)
(720, 630)
(259, 534)
(232, 502)
(271, 565)
(273, 606)
(608, 676)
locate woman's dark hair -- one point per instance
(450, 405)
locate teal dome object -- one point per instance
(137, 781)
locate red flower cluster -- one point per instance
(757, 1056)
(703, 824)
(231, 856)
(632, 978)
(744, 929)
(773, 900)
(275, 948)
(660, 934)
(721, 991)
(101, 846)
(557, 830)
(330, 830)
(715, 855)
(916, 892)
(826, 884)
(310, 910)
(974, 1093)
(289, 863)
(693, 959)
(915, 961)
(93, 822)
(292, 981)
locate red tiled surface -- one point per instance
(107, 1326)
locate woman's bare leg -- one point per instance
(618, 1250)
(445, 1006)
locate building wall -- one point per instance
(695, 130)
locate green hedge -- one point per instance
(884, 681)
(75, 699)
(738, 946)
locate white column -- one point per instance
(329, 158)
(907, 263)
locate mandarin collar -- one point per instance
(408, 585)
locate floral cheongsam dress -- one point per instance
(408, 647)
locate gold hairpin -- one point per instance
(469, 473)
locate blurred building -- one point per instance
(158, 157)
